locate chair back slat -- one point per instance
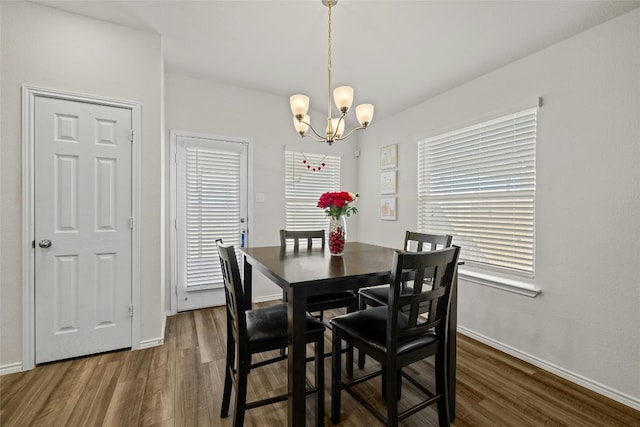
(419, 242)
(417, 305)
(234, 293)
(299, 235)
(425, 242)
(433, 273)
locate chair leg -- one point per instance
(353, 307)
(392, 398)
(283, 351)
(361, 357)
(336, 358)
(442, 388)
(241, 394)
(384, 383)
(362, 306)
(319, 356)
(350, 360)
(226, 394)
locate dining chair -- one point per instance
(397, 338)
(379, 295)
(257, 331)
(318, 303)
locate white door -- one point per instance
(211, 203)
(83, 258)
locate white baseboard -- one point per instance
(11, 368)
(154, 342)
(592, 385)
(266, 298)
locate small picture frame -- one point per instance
(388, 209)
(388, 182)
(389, 157)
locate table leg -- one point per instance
(247, 282)
(453, 326)
(297, 325)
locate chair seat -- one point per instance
(267, 326)
(370, 326)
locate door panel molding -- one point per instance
(29, 95)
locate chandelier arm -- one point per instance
(335, 131)
(313, 130)
(349, 133)
(314, 138)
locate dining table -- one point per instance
(308, 272)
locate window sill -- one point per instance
(498, 282)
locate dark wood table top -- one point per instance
(369, 264)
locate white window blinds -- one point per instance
(210, 194)
(478, 184)
(303, 187)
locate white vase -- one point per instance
(337, 235)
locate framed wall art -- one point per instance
(389, 157)
(388, 208)
(388, 182)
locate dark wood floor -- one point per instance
(179, 384)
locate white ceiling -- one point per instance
(394, 53)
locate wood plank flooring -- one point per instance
(180, 383)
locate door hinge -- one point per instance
(131, 223)
(131, 135)
(131, 310)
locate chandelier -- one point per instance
(343, 97)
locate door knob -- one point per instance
(44, 243)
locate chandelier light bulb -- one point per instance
(302, 125)
(343, 97)
(331, 129)
(299, 105)
(364, 113)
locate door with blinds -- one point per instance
(211, 204)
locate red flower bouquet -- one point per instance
(336, 203)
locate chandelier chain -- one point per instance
(329, 65)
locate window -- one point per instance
(478, 184)
(303, 187)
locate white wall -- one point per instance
(586, 321)
(48, 48)
(205, 107)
